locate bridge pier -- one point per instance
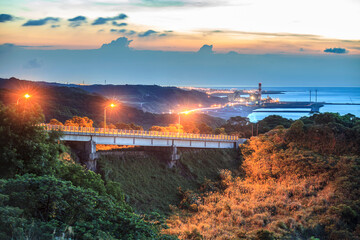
(86, 153)
(90, 155)
(174, 157)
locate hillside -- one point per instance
(63, 102)
(150, 186)
(153, 98)
(296, 183)
(149, 98)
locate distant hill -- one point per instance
(153, 98)
(63, 102)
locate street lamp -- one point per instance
(112, 105)
(185, 112)
(26, 96)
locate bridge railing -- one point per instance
(123, 132)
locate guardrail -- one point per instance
(121, 132)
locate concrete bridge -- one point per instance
(86, 138)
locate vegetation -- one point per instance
(299, 180)
(150, 186)
(296, 183)
(242, 126)
(45, 195)
(79, 122)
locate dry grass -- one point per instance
(282, 207)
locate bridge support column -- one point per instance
(174, 157)
(90, 155)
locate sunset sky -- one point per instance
(244, 26)
(182, 42)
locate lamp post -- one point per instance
(179, 113)
(112, 106)
(26, 96)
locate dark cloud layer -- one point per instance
(6, 17)
(101, 20)
(33, 63)
(120, 64)
(336, 50)
(40, 22)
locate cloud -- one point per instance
(206, 49)
(123, 31)
(118, 30)
(77, 21)
(302, 50)
(179, 3)
(6, 17)
(40, 22)
(33, 63)
(55, 26)
(122, 43)
(131, 32)
(264, 34)
(336, 50)
(114, 23)
(147, 33)
(78, 18)
(101, 20)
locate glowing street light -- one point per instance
(25, 96)
(185, 112)
(112, 105)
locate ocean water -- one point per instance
(324, 94)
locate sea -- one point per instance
(302, 94)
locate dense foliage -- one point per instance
(45, 195)
(242, 126)
(296, 183)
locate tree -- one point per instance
(108, 125)
(220, 131)
(55, 122)
(130, 126)
(272, 121)
(190, 127)
(79, 122)
(44, 207)
(205, 129)
(171, 128)
(240, 126)
(25, 147)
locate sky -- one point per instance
(259, 34)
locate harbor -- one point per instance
(250, 102)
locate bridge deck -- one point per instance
(144, 138)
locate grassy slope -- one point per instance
(151, 186)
